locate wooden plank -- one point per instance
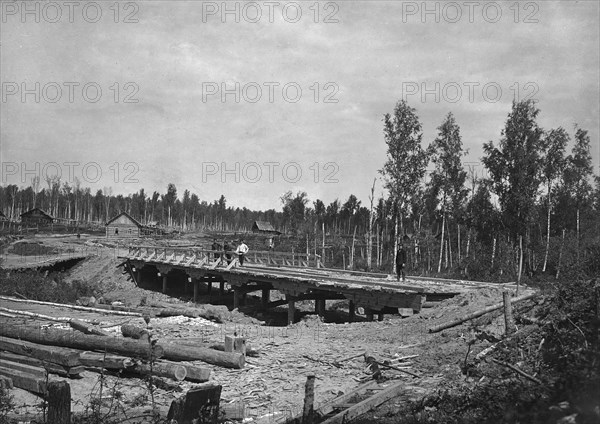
(366, 405)
(51, 367)
(36, 371)
(25, 381)
(58, 355)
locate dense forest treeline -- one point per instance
(536, 209)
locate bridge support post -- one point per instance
(209, 283)
(291, 309)
(369, 314)
(222, 288)
(320, 307)
(264, 299)
(237, 297)
(196, 289)
(164, 287)
(351, 311)
(380, 316)
(138, 276)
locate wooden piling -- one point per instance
(59, 402)
(309, 400)
(508, 317)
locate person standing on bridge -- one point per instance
(242, 250)
(216, 247)
(400, 262)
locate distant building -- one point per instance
(264, 227)
(123, 225)
(36, 216)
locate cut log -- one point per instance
(177, 352)
(161, 368)
(218, 313)
(59, 402)
(197, 374)
(51, 367)
(235, 344)
(55, 337)
(87, 328)
(108, 361)
(25, 381)
(135, 332)
(198, 402)
(79, 308)
(58, 355)
(479, 313)
(36, 371)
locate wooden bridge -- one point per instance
(298, 276)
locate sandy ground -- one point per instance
(271, 386)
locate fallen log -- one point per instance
(57, 355)
(161, 368)
(108, 361)
(86, 328)
(135, 332)
(517, 370)
(479, 313)
(176, 352)
(76, 307)
(51, 367)
(218, 313)
(15, 314)
(55, 337)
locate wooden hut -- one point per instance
(264, 227)
(36, 216)
(123, 225)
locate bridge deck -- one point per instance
(293, 275)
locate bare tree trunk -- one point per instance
(520, 263)
(323, 244)
(449, 246)
(468, 242)
(560, 253)
(378, 247)
(458, 235)
(442, 242)
(578, 236)
(352, 254)
(395, 242)
(493, 252)
(370, 240)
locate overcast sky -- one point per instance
(162, 115)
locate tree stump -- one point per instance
(508, 317)
(200, 404)
(59, 402)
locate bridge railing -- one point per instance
(195, 256)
